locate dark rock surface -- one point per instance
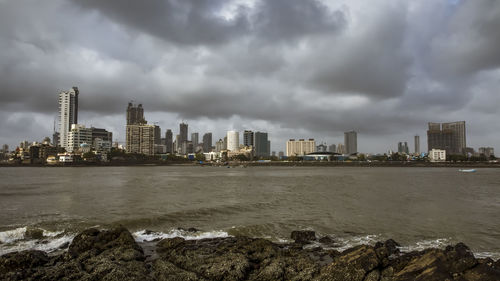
(114, 255)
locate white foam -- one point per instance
(10, 236)
(439, 243)
(344, 243)
(144, 236)
(492, 255)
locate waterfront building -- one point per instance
(178, 144)
(78, 135)
(351, 142)
(207, 142)
(135, 114)
(102, 134)
(403, 147)
(169, 141)
(300, 147)
(248, 138)
(437, 155)
(157, 135)
(262, 146)
(448, 136)
(487, 151)
(281, 154)
(68, 114)
(233, 140)
(101, 145)
(194, 139)
(141, 139)
(417, 144)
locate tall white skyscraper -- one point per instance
(68, 114)
(233, 140)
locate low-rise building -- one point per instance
(300, 147)
(437, 155)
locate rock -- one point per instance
(303, 236)
(352, 264)
(482, 272)
(12, 262)
(33, 234)
(327, 240)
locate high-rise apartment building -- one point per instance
(248, 138)
(300, 147)
(341, 148)
(135, 115)
(78, 135)
(351, 142)
(207, 142)
(448, 136)
(68, 114)
(403, 147)
(219, 145)
(417, 144)
(233, 140)
(194, 139)
(261, 144)
(487, 151)
(169, 141)
(183, 132)
(332, 148)
(141, 139)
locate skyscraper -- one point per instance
(194, 139)
(183, 132)
(351, 142)
(248, 138)
(140, 139)
(68, 114)
(261, 144)
(448, 136)
(403, 147)
(135, 115)
(207, 142)
(417, 144)
(233, 140)
(169, 141)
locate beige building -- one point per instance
(300, 147)
(140, 139)
(78, 136)
(437, 155)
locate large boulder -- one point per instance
(303, 236)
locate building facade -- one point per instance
(403, 147)
(207, 142)
(195, 139)
(169, 141)
(135, 115)
(448, 136)
(261, 144)
(351, 142)
(68, 114)
(417, 144)
(141, 139)
(300, 147)
(437, 155)
(248, 138)
(78, 136)
(233, 140)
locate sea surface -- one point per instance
(417, 207)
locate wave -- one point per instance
(15, 240)
(147, 235)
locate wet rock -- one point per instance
(303, 236)
(352, 265)
(19, 261)
(33, 233)
(327, 240)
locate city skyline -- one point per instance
(249, 65)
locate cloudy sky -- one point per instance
(293, 68)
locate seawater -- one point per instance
(417, 207)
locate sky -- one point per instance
(292, 68)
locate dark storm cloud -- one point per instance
(312, 67)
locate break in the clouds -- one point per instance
(294, 68)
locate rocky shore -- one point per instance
(114, 255)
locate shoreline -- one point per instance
(113, 254)
(273, 164)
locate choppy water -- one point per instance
(418, 207)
